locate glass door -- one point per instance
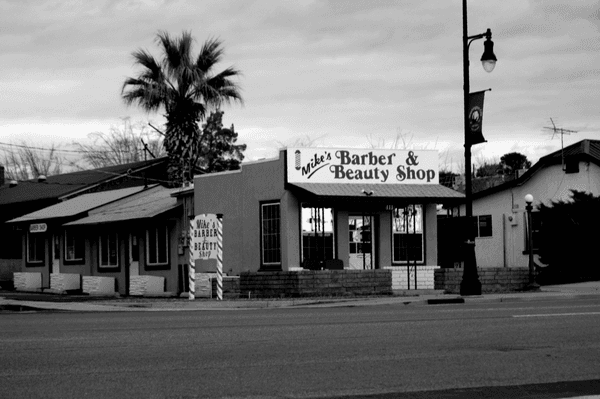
(361, 243)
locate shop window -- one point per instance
(407, 234)
(484, 226)
(317, 233)
(270, 217)
(74, 246)
(109, 250)
(536, 222)
(157, 246)
(36, 248)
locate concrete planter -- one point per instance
(146, 285)
(25, 281)
(65, 281)
(94, 285)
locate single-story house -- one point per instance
(18, 198)
(502, 221)
(129, 241)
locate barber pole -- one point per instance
(220, 257)
(191, 266)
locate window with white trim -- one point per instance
(270, 218)
(74, 246)
(109, 250)
(407, 234)
(36, 248)
(157, 246)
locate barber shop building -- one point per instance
(330, 209)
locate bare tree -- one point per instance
(126, 143)
(23, 161)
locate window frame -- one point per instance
(478, 227)
(158, 264)
(39, 241)
(78, 238)
(307, 207)
(263, 242)
(395, 232)
(109, 266)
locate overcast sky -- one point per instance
(345, 73)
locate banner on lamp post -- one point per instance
(476, 117)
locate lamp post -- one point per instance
(470, 284)
(532, 286)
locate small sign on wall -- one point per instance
(38, 228)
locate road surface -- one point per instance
(385, 351)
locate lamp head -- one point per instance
(529, 199)
(488, 58)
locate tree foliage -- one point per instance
(187, 88)
(126, 143)
(512, 162)
(568, 239)
(217, 149)
(24, 161)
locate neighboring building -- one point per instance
(502, 227)
(23, 197)
(132, 238)
(316, 208)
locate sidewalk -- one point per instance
(20, 301)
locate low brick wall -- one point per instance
(493, 279)
(231, 286)
(316, 283)
(401, 280)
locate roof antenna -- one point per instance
(562, 132)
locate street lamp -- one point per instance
(470, 284)
(532, 286)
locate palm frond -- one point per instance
(210, 55)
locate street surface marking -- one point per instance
(555, 314)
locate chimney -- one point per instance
(1, 176)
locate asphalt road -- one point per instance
(388, 351)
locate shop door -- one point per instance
(134, 255)
(361, 251)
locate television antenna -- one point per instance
(562, 132)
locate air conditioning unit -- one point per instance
(511, 219)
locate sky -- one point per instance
(333, 73)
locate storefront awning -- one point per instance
(427, 192)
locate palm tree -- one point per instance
(186, 88)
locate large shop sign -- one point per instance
(350, 165)
(204, 236)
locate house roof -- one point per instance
(434, 192)
(582, 150)
(67, 183)
(143, 205)
(78, 205)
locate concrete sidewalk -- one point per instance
(12, 301)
